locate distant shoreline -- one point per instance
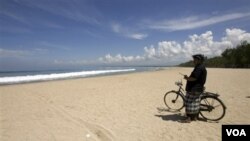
(20, 77)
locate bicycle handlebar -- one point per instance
(182, 74)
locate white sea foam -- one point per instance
(56, 76)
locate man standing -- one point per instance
(194, 87)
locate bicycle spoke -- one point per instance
(212, 108)
(217, 105)
(174, 101)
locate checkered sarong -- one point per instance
(192, 103)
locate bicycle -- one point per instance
(211, 107)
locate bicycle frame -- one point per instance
(181, 91)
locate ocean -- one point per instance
(17, 77)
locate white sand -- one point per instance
(118, 108)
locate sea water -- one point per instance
(16, 77)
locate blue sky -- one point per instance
(55, 34)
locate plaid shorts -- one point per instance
(192, 102)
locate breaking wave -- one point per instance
(57, 76)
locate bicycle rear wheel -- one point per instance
(174, 101)
(212, 108)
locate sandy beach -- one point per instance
(117, 108)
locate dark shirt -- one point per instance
(200, 74)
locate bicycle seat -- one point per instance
(178, 83)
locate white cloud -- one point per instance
(13, 53)
(235, 35)
(15, 17)
(170, 52)
(193, 22)
(116, 28)
(120, 59)
(123, 31)
(138, 36)
(45, 44)
(80, 11)
(150, 52)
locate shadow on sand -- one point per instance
(173, 117)
(176, 116)
(180, 118)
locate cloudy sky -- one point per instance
(52, 34)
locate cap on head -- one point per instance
(199, 57)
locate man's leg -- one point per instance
(193, 117)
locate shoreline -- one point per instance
(121, 72)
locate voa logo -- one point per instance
(236, 132)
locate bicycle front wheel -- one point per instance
(212, 108)
(174, 101)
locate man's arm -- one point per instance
(189, 78)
